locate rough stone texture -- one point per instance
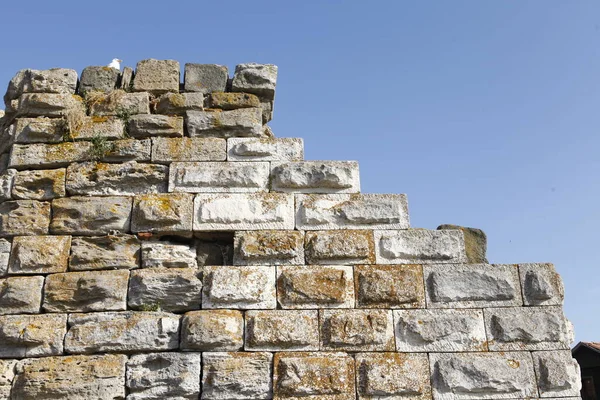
(389, 286)
(212, 330)
(558, 374)
(541, 285)
(49, 105)
(179, 103)
(259, 79)
(86, 291)
(458, 376)
(163, 213)
(241, 211)
(219, 177)
(268, 248)
(98, 79)
(392, 376)
(32, 335)
(475, 243)
(54, 80)
(96, 128)
(266, 149)
(167, 150)
(6, 184)
(122, 331)
(7, 374)
(232, 101)
(129, 178)
(24, 217)
(71, 377)
(40, 155)
(323, 376)
(472, 285)
(45, 184)
(126, 78)
(311, 287)
(39, 130)
(282, 330)
(315, 177)
(143, 126)
(90, 216)
(21, 295)
(39, 254)
(168, 255)
(245, 288)
(205, 78)
(244, 122)
(168, 289)
(340, 247)
(156, 76)
(236, 376)
(419, 246)
(128, 150)
(121, 103)
(5, 247)
(104, 252)
(357, 330)
(159, 376)
(439, 330)
(530, 328)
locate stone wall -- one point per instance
(158, 242)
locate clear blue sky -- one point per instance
(486, 113)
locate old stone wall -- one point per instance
(158, 242)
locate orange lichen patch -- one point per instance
(232, 101)
(270, 243)
(340, 245)
(313, 285)
(99, 119)
(389, 286)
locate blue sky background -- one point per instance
(486, 113)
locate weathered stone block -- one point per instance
(541, 285)
(40, 155)
(7, 136)
(205, 78)
(558, 373)
(212, 330)
(259, 79)
(475, 243)
(389, 286)
(39, 254)
(282, 330)
(156, 76)
(228, 376)
(168, 255)
(268, 248)
(55, 80)
(7, 374)
(39, 130)
(218, 177)
(32, 335)
(167, 150)
(472, 285)
(458, 376)
(126, 78)
(163, 213)
(340, 247)
(357, 330)
(98, 79)
(128, 150)
(89, 216)
(392, 376)
(21, 295)
(267, 110)
(86, 291)
(315, 177)
(232, 101)
(164, 376)
(24, 217)
(119, 102)
(6, 184)
(315, 287)
(94, 128)
(5, 247)
(104, 252)
(46, 184)
(265, 149)
(245, 288)
(179, 103)
(49, 105)
(244, 122)
(143, 126)
(243, 211)
(323, 376)
(529, 328)
(419, 246)
(122, 331)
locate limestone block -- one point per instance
(21, 295)
(439, 330)
(168, 289)
(39, 130)
(179, 103)
(163, 213)
(389, 286)
(7, 374)
(268, 247)
(243, 211)
(205, 78)
(129, 178)
(6, 184)
(232, 101)
(7, 136)
(49, 105)
(86, 291)
(357, 330)
(126, 78)
(229, 376)
(392, 376)
(351, 211)
(164, 376)
(219, 177)
(168, 255)
(45, 184)
(305, 375)
(541, 285)
(167, 150)
(419, 246)
(41, 155)
(311, 287)
(244, 288)
(119, 102)
(475, 243)
(340, 247)
(99, 128)
(33, 335)
(156, 76)
(55, 80)
(472, 285)
(143, 126)
(527, 328)
(90, 216)
(315, 177)
(259, 79)
(24, 217)
(98, 79)
(5, 246)
(104, 252)
(127, 331)
(457, 376)
(128, 150)
(71, 377)
(267, 110)
(558, 373)
(244, 122)
(212, 330)
(39, 254)
(282, 330)
(265, 149)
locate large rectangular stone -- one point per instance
(389, 286)
(356, 330)
(242, 211)
(98, 128)
(42, 155)
(90, 216)
(45, 184)
(205, 78)
(245, 288)
(128, 150)
(219, 177)
(39, 130)
(259, 79)
(282, 330)
(419, 246)
(98, 79)
(165, 213)
(49, 105)
(156, 76)
(339, 247)
(558, 373)
(244, 122)
(268, 247)
(168, 255)
(33, 335)
(21, 295)
(54, 80)
(541, 285)
(151, 125)
(24, 217)
(104, 252)
(39, 254)
(120, 103)
(315, 177)
(179, 103)
(212, 330)
(265, 149)
(168, 150)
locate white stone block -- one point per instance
(419, 246)
(219, 177)
(315, 177)
(245, 288)
(265, 149)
